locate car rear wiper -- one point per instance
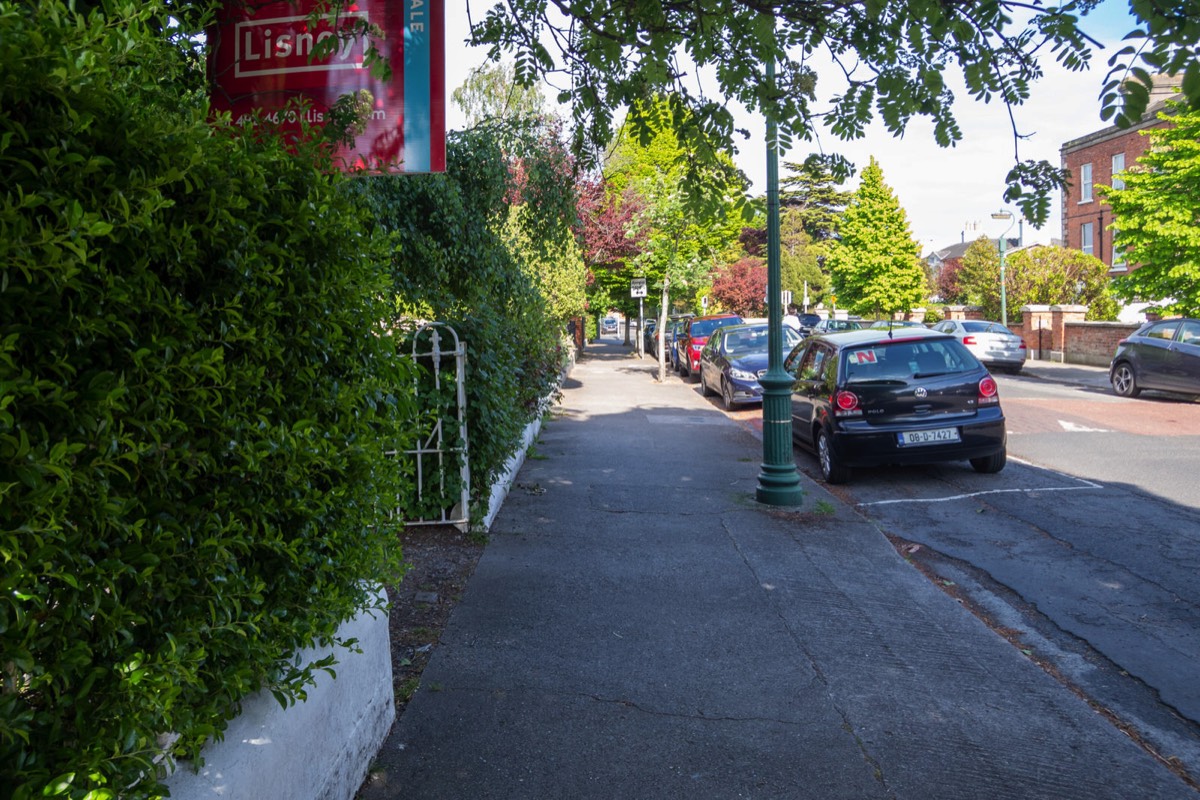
(876, 381)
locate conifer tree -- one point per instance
(875, 264)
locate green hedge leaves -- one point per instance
(196, 389)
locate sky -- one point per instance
(948, 194)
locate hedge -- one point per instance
(195, 394)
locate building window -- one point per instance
(1086, 243)
(1118, 168)
(1085, 183)
(1118, 252)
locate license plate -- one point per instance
(935, 436)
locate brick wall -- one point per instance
(1094, 342)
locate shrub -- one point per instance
(451, 264)
(195, 394)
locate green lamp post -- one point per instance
(778, 480)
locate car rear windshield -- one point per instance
(977, 326)
(903, 360)
(705, 327)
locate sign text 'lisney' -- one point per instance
(286, 44)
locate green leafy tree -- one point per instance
(978, 277)
(679, 245)
(1041, 275)
(811, 196)
(491, 92)
(1157, 217)
(897, 57)
(801, 260)
(1048, 275)
(875, 264)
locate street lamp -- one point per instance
(778, 480)
(1003, 214)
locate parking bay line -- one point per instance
(1086, 485)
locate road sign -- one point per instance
(637, 287)
(786, 297)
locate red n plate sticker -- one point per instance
(863, 356)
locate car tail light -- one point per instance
(989, 392)
(845, 402)
(1022, 347)
(969, 340)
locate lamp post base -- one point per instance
(779, 481)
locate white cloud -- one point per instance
(947, 193)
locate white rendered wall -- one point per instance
(319, 749)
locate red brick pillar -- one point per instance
(1059, 317)
(1038, 334)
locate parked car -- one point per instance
(1162, 355)
(875, 397)
(695, 336)
(650, 337)
(835, 325)
(676, 324)
(733, 360)
(990, 342)
(609, 325)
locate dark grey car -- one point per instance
(1163, 355)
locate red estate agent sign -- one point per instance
(260, 60)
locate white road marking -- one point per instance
(1086, 484)
(1074, 427)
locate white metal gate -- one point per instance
(436, 453)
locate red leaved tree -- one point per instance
(741, 287)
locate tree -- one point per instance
(812, 196)
(949, 287)
(741, 286)
(1049, 275)
(1157, 217)
(679, 245)
(894, 59)
(979, 277)
(800, 260)
(492, 92)
(875, 264)
(1040, 275)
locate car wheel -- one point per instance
(989, 465)
(704, 389)
(1124, 382)
(727, 396)
(831, 470)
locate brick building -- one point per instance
(1093, 160)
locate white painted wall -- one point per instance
(316, 750)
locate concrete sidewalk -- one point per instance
(639, 627)
(1074, 374)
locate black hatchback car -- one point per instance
(912, 396)
(1162, 355)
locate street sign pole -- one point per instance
(778, 480)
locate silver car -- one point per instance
(990, 342)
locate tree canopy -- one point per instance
(875, 264)
(892, 59)
(1157, 217)
(1038, 275)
